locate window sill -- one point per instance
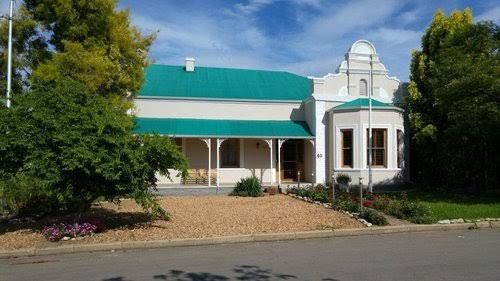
(366, 169)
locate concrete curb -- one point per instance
(261, 237)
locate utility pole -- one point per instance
(9, 55)
(370, 140)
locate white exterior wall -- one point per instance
(319, 145)
(392, 120)
(174, 178)
(216, 109)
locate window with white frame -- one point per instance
(379, 148)
(346, 148)
(363, 87)
(230, 153)
(399, 147)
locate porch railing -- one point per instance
(199, 176)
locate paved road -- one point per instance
(453, 255)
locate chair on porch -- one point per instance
(199, 176)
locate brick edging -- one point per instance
(260, 237)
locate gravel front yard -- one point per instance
(192, 217)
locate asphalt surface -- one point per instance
(447, 255)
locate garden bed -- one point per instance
(192, 217)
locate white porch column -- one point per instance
(219, 142)
(280, 143)
(208, 142)
(271, 174)
(319, 145)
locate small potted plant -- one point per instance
(343, 181)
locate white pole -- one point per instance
(361, 195)
(217, 175)
(209, 162)
(9, 54)
(279, 162)
(271, 161)
(370, 157)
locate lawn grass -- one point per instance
(452, 206)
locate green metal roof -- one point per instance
(362, 103)
(223, 83)
(222, 128)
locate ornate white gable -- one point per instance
(355, 74)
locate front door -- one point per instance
(292, 159)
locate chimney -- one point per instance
(189, 64)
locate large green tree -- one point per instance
(68, 139)
(94, 43)
(453, 103)
(62, 148)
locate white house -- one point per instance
(278, 126)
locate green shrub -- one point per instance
(381, 202)
(403, 208)
(316, 193)
(248, 187)
(373, 217)
(320, 193)
(300, 191)
(343, 201)
(24, 195)
(414, 211)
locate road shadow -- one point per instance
(241, 272)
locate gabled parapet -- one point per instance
(360, 72)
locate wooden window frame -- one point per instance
(343, 148)
(375, 131)
(399, 148)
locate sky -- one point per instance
(306, 37)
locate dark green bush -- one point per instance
(373, 217)
(404, 209)
(316, 193)
(414, 211)
(248, 187)
(320, 193)
(343, 201)
(300, 191)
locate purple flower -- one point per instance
(56, 232)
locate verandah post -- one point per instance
(209, 143)
(217, 170)
(279, 162)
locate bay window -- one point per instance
(379, 147)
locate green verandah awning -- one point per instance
(181, 127)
